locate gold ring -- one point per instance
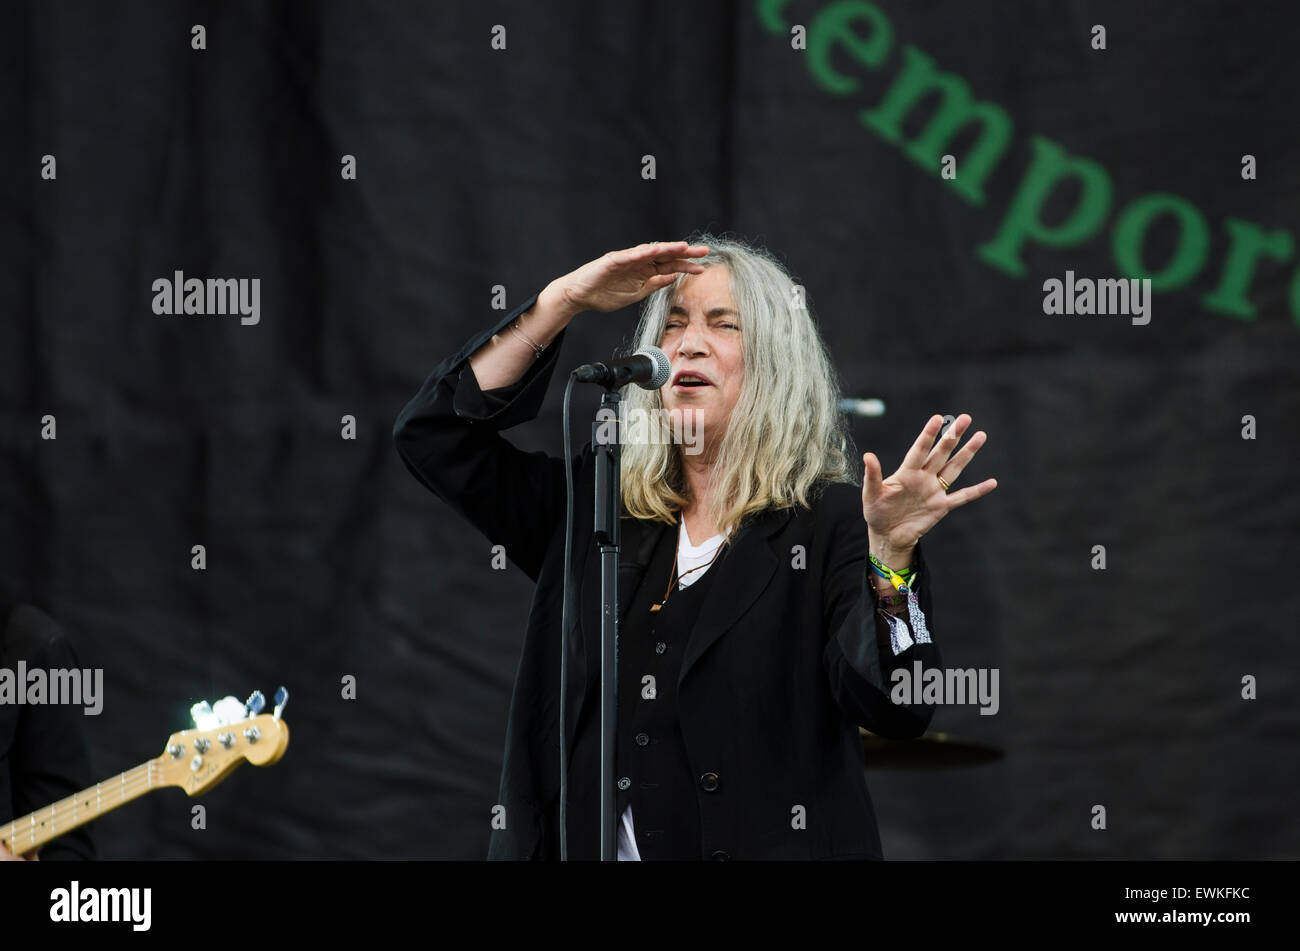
(943, 483)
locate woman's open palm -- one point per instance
(910, 502)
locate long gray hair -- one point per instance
(785, 434)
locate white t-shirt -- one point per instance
(688, 556)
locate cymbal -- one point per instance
(930, 750)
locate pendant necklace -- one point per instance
(674, 578)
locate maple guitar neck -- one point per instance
(195, 760)
(35, 829)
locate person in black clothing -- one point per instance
(43, 755)
(761, 620)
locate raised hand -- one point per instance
(612, 281)
(902, 508)
(619, 278)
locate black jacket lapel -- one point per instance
(636, 548)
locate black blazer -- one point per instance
(780, 669)
(43, 754)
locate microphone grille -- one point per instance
(663, 367)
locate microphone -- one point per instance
(872, 407)
(648, 368)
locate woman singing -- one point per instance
(764, 598)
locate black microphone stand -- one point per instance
(605, 438)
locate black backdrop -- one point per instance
(479, 167)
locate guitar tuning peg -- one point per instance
(256, 701)
(201, 714)
(228, 710)
(281, 698)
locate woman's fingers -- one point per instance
(938, 456)
(970, 493)
(678, 266)
(659, 252)
(677, 248)
(655, 282)
(916, 455)
(646, 252)
(953, 467)
(648, 268)
(872, 480)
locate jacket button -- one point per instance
(642, 739)
(709, 782)
(660, 647)
(624, 783)
(720, 856)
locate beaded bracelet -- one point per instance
(889, 576)
(889, 573)
(901, 580)
(891, 603)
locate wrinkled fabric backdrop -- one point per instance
(478, 167)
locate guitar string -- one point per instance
(136, 780)
(120, 788)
